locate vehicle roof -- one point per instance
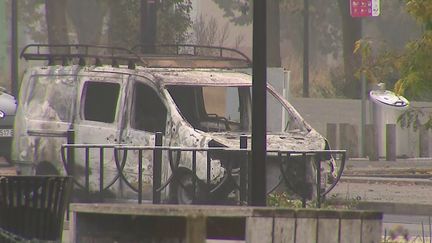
(179, 64)
(201, 77)
(163, 76)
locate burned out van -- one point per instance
(116, 98)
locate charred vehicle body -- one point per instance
(193, 101)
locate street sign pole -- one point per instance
(14, 48)
(259, 103)
(358, 9)
(365, 8)
(306, 49)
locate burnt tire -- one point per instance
(183, 191)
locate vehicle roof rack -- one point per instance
(189, 55)
(80, 54)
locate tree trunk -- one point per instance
(56, 22)
(115, 31)
(87, 18)
(273, 34)
(351, 31)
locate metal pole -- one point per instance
(143, 21)
(306, 49)
(363, 108)
(285, 93)
(157, 168)
(363, 116)
(244, 195)
(259, 101)
(14, 48)
(148, 25)
(3, 38)
(70, 138)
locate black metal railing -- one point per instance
(194, 55)
(65, 53)
(236, 168)
(203, 51)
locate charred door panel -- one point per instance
(98, 121)
(147, 114)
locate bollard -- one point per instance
(391, 142)
(331, 135)
(371, 142)
(318, 179)
(348, 139)
(70, 136)
(244, 171)
(423, 142)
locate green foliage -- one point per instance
(173, 20)
(283, 199)
(377, 68)
(237, 11)
(412, 67)
(416, 69)
(421, 10)
(411, 118)
(416, 62)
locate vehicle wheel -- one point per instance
(182, 189)
(46, 168)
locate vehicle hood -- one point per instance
(287, 141)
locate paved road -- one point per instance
(402, 181)
(401, 189)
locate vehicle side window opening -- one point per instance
(100, 102)
(148, 111)
(51, 102)
(214, 109)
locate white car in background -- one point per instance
(7, 113)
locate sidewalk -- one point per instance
(393, 187)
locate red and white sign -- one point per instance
(365, 8)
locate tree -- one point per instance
(412, 65)
(416, 62)
(351, 31)
(61, 19)
(87, 18)
(240, 13)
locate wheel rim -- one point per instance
(185, 190)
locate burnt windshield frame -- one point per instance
(294, 121)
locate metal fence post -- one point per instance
(70, 136)
(391, 142)
(157, 167)
(244, 196)
(318, 179)
(305, 190)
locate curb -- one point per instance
(380, 180)
(396, 208)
